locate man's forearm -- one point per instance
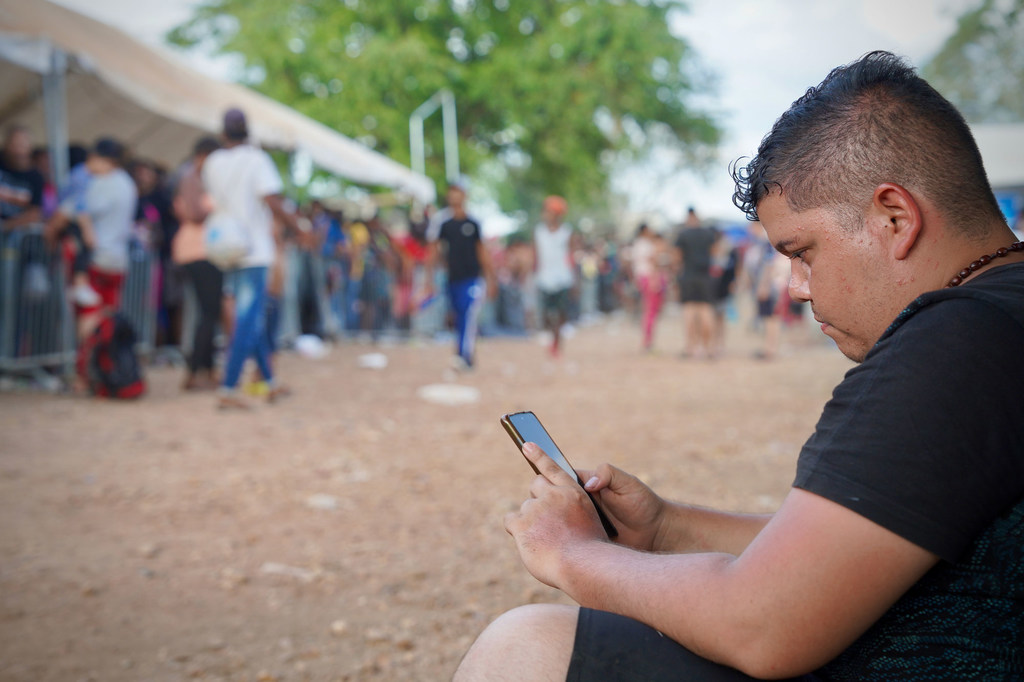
(687, 597)
(686, 528)
(28, 217)
(429, 265)
(486, 267)
(287, 219)
(812, 581)
(709, 603)
(276, 205)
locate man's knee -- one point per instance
(532, 642)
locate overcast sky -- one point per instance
(766, 53)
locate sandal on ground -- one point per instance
(232, 402)
(200, 382)
(277, 393)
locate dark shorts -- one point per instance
(697, 289)
(766, 307)
(611, 648)
(554, 305)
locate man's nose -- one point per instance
(799, 287)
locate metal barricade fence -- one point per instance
(364, 308)
(37, 322)
(305, 304)
(139, 293)
(355, 308)
(377, 299)
(36, 325)
(429, 317)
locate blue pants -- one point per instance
(249, 286)
(466, 297)
(272, 322)
(353, 307)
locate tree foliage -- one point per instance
(980, 68)
(549, 92)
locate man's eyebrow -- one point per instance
(784, 246)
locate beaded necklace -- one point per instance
(983, 261)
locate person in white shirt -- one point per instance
(554, 243)
(243, 184)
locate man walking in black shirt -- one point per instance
(695, 245)
(467, 260)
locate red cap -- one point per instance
(556, 204)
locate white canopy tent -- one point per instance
(67, 76)
(1002, 149)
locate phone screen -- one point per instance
(532, 431)
(524, 427)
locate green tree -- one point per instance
(549, 92)
(980, 68)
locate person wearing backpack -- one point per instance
(107, 205)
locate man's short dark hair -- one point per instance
(872, 121)
(77, 154)
(109, 148)
(205, 145)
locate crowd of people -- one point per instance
(326, 272)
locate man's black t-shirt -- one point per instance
(27, 183)
(696, 243)
(461, 236)
(926, 438)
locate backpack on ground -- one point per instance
(107, 360)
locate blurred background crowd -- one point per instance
(610, 107)
(352, 270)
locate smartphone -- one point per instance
(524, 427)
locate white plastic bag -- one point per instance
(226, 239)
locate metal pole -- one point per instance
(56, 112)
(445, 100)
(416, 144)
(451, 136)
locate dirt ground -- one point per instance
(353, 531)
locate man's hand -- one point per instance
(427, 292)
(557, 516)
(634, 508)
(429, 264)
(53, 228)
(87, 230)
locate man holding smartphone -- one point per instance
(898, 552)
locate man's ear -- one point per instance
(898, 208)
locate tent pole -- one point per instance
(56, 111)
